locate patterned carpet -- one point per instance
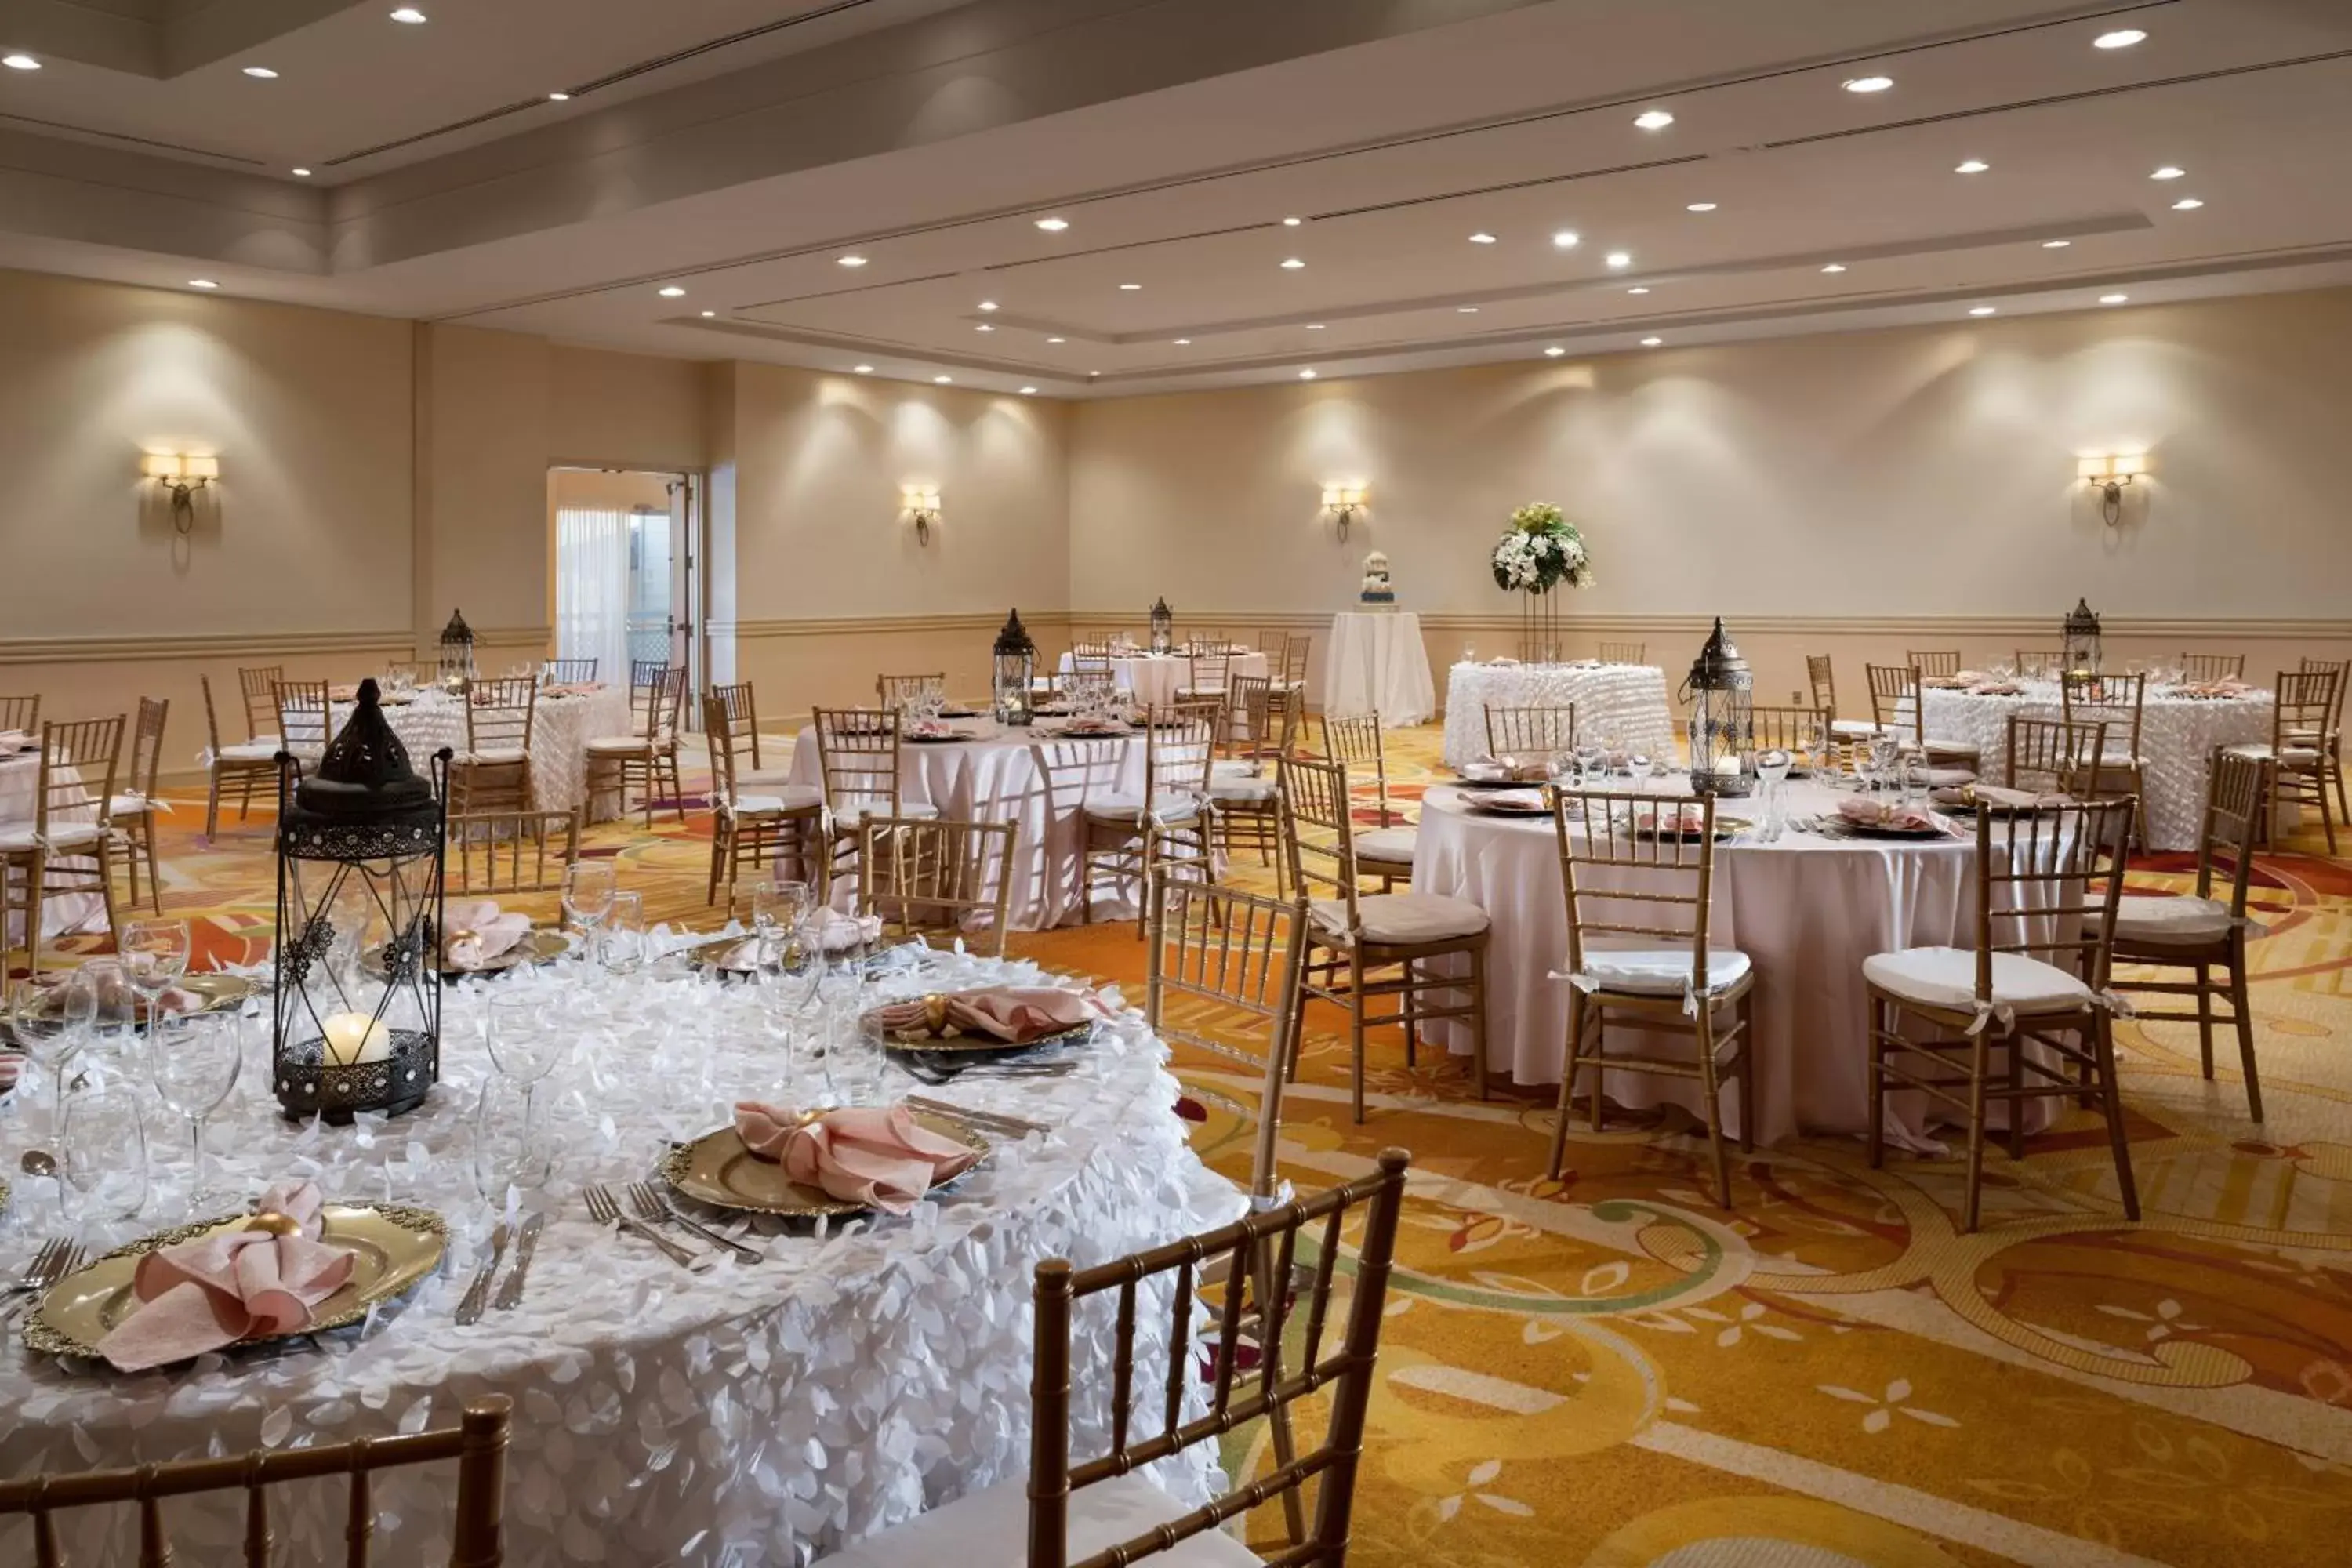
(1608, 1371)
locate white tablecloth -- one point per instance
(1154, 679)
(20, 789)
(2177, 735)
(561, 728)
(1375, 663)
(715, 1419)
(1040, 783)
(1626, 702)
(1807, 911)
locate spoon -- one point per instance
(37, 1163)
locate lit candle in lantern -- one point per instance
(355, 1037)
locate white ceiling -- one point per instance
(1175, 136)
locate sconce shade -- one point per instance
(199, 467)
(159, 466)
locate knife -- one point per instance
(477, 1293)
(511, 1293)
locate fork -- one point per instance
(655, 1209)
(57, 1258)
(604, 1209)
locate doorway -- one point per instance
(625, 548)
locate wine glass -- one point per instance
(525, 1044)
(1772, 766)
(624, 933)
(1591, 764)
(51, 1023)
(1885, 752)
(103, 1145)
(154, 956)
(778, 907)
(588, 889)
(194, 1059)
(115, 1002)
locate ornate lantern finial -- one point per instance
(1014, 665)
(1720, 689)
(457, 649)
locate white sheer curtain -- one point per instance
(591, 588)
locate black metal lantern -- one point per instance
(356, 1005)
(1163, 628)
(1014, 666)
(1722, 697)
(2082, 639)
(456, 650)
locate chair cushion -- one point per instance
(856, 812)
(608, 745)
(2155, 919)
(1946, 978)
(1851, 728)
(788, 798)
(1954, 752)
(1126, 809)
(2292, 755)
(1950, 778)
(1244, 790)
(1239, 768)
(1387, 845)
(18, 835)
(130, 806)
(1660, 972)
(1403, 920)
(990, 1529)
(763, 776)
(249, 752)
(490, 759)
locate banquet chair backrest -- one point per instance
(22, 714)
(1669, 901)
(1625, 652)
(1090, 656)
(899, 691)
(1822, 678)
(2306, 706)
(1262, 1247)
(498, 713)
(569, 671)
(644, 674)
(260, 688)
(1893, 688)
(930, 875)
(2339, 668)
(478, 1444)
(731, 731)
(1526, 731)
(2051, 755)
(1179, 747)
(2216, 666)
(2116, 698)
(305, 716)
(1317, 831)
(1934, 661)
(1355, 743)
(1219, 975)
(2236, 784)
(2039, 661)
(1209, 670)
(1792, 729)
(2047, 884)
(857, 751)
(665, 704)
(78, 757)
(211, 716)
(146, 745)
(1271, 643)
(1203, 640)
(521, 851)
(1295, 655)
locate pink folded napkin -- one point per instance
(116, 993)
(1014, 1013)
(1521, 800)
(232, 1285)
(1971, 677)
(880, 1157)
(475, 931)
(2224, 688)
(1866, 813)
(1997, 688)
(2000, 798)
(12, 741)
(1682, 822)
(574, 688)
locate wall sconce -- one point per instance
(1343, 502)
(2108, 476)
(921, 505)
(182, 477)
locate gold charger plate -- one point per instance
(393, 1247)
(1725, 827)
(218, 991)
(538, 945)
(718, 1169)
(923, 1040)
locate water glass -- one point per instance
(855, 1060)
(1885, 758)
(154, 956)
(778, 908)
(506, 1153)
(1772, 766)
(194, 1059)
(588, 889)
(115, 1000)
(525, 1044)
(624, 947)
(103, 1150)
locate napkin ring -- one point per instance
(275, 1224)
(935, 1013)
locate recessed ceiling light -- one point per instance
(1028, 392)
(1653, 120)
(408, 14)
(2056, 243)
(1314, 326)
(1130, 287)
(1292, 264)
(20, 62)
(1292, 222)
(2170, 172)
(1057, 339)
(1638, 288)
(1465, 310)
(1567, 239)
(1970, 167)
(202, 283)
(1651, 342)
(1183, 342)
(1983, 310)
(1094, 372)
(670, 291)
(1834, 266)
(983, 327)
(300, 173)
(1053, 225)
(849, 261)
(944, 380)
(2186, 205)
(1554, 351)
(988, 304)
(1482, 238)
(558, 98)
(1700, 207)
(1617, 259)
(2113, 298)
(1868, 83)
(864, 369)
(1307, 376)
(2121, 38)
(261, 73)
(707, 315)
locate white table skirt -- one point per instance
(20, 789)
(561, 728)
(1040, 783)
(1806, 911)
(847, 1383)
(1375, 663)
(1153, 679)
(1626, 702)
(2177, 735)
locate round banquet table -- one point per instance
(860, 1374)
(1154, 679)
(1807, 911)
(1031, 777)
(1377, 663)
(20, 789)
(1623, 701)
(561, 728)
(2178, 733)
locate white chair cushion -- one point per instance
(1946, 978)
(1851, 728)
(2303, 755)
(1387, 845)
(2121, 760)
(1950, 778)
(1126, 809)
(990, 1529)
(908, 810)
(130, 806)
(1662, 972)
(1239, 768)
(790, 797)
(1403, 920)
(18, 835)
(763, 776)
(2152, 918)
(611, 744)
(269, 744)
(490, 759)
(249, 752)
(1244, 789)
(1953, 751)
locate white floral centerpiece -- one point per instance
(1540, 551)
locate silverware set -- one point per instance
(653, 1205)
(478, 1296)
(927, 1067)
(57, 1258)
(1003, 1126)
(605, 1209)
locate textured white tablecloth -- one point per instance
(2177, 735)
(1012, 775)
(20, 789)
(1807, 911)
(1153, 679)
(711, 1419)
(1623, 701)
(561, 728)
(1375, 662)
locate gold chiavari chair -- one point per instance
(2198, 933)
(2303, 738)
(1209, 672)
(1530, 734)
(1942, 663)
(931, 875)
(1090, 656)
(1385, 851)
(2047, 884)
(2215, 666)
(306, 719)
(1295, 654)
(756, 820)
(1271, 645)
(131, 813)
(260, 688)
(648, 759)
(904, 691)
(1898, 706)
(1362, 947)
(2040, 662)
(1796, 730)
(2053, 757)
(2332, 753)
(493, 772)
(2118, 701)
(1206, 640)
(1624, 653)
(478, 1444)
(1102, 1510)
(1822, 677)
(20, 715)
(859, 753)
(1167, 825)
(68, 847)
(741, 710)
(1243, 786)
(1647, 896)
(645, 676)
(243, 762)
(516, 850)
(569, 671)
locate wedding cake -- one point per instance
(1377, 590)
